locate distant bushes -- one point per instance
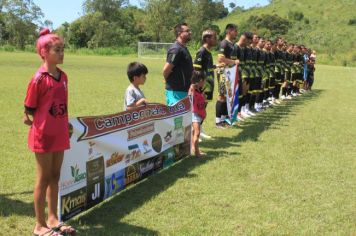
(295, 15)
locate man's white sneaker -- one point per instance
(245, 115)
(251, 113)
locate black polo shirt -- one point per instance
(179, 78)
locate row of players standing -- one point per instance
(265, 70)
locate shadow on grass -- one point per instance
(254, 127)
(105, 218)
(11, 206)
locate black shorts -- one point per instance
(252, 87)
(294, 77)
(259, 87)
(266, 84)
(279, 78)
(288, 76)
(209, 89)
(272, 82)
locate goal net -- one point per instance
(152, 49)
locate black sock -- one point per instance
(284, 91)
(224, 111)
(218, 109)
(252, 102)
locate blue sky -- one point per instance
(68, 10)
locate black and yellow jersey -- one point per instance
(204, 62)
(227, 49)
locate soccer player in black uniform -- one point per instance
(254, 77)
(246, 76)
(261, 75)
(279, 73)
(227, 56)
(204, 62)
(297, 76)
(243, 74)
(288, 71)
(272, 75)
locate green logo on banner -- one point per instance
(178, 123)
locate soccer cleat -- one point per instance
(258, 109)
(277, 101)
(250, 113)
(283, 97)
(245, 115)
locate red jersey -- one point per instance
(199, 104)
(48, 97)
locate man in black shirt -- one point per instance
(204, 62)
(226, 56)
(179, 66)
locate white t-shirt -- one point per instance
(132, 95)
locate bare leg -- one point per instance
(43, 173)
(52, 194)
(196, 133)
(52, 190)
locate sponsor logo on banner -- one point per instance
(114, 183)
(158, 162)
(146, 147)
(73, 203)
(132, 174)
(114, 159)
(157, 143)
(178, 123)
(179, 129)
(95, 181)
(78, 177)
(168, 157)
(92, 153)
(96, 126)
(168, 136)
(146, 167)
(140, 131)
(135, 153)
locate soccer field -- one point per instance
(290, 170)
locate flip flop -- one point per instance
(68, 231)
(50, 232)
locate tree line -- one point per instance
(116, 23)
(109, 23)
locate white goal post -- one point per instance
(152, 49)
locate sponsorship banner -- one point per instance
(110, 152)
(232, 90)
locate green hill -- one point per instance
(327, 26)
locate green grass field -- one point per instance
(289, 171)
